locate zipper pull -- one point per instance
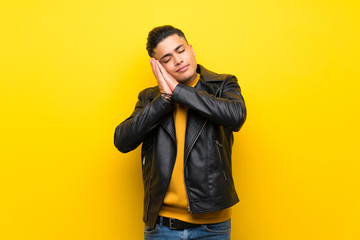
(144, 159)
(218, 143)
(188, 207)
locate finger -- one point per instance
(163, 84)
(156, 71)
(161, 68)
(170, 81)
(152, 63)
(164, 73)
(158, 75)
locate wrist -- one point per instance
(173, 86)
(166, 96)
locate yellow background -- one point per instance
(71, 70)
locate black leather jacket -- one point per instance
(208, 141)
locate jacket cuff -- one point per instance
(163, 102)
(177, 92)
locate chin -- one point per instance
(185, 78)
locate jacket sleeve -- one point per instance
(146, 116)
(228, 110)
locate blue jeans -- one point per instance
(217, 231)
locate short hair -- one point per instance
(160, 33)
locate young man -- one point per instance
(185, 125)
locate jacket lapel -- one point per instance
(195, 122)
(194, 127)
(209, 82)
(168, 122)
(169, 125)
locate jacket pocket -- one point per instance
(222, 164)
(146, 162)
(147, 202)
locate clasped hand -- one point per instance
(165, 81)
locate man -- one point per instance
(185, 125)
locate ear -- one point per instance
(192, 50)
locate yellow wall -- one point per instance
(71, 70)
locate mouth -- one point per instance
(183, 69)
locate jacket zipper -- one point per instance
(148, 203)
(187, 155)
(197, 136)
(221, 161)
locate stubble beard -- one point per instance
(187, 80)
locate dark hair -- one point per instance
(160, 33)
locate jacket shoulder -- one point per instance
(150, 92)
(208, 75)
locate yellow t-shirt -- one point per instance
(176, 202)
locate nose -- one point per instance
(177, 60)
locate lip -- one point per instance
(183, 69)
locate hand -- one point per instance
(165, 81)
(168, 78)
(163, 86)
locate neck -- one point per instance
(191, 80)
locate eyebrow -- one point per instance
(168, 54)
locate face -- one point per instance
(178, 58)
